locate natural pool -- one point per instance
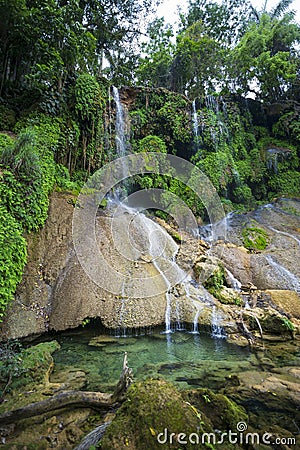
(265, 380)
(186, 359)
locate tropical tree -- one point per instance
(224, 22)
(44, 43)
(158, 50)
(198, 63)
(266, 60)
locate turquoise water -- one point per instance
(188, 360)
(95, 360)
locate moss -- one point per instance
(255, 238)
(216, 281)
(155, 406)
(223, 413)
(36, 362)
(228, 296)
(34, 367)
(150, 408)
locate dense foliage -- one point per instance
(45, 43)
(229, 47)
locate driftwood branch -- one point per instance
(93, 437)
(65, 399)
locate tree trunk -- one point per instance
(65, 399)
(61, 400)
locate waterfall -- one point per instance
(195, 304)
(211, 102)
(195, 125)
(160, 260)
(122, 321)
(217, 330)
(290, 281)
(235, 283)
(179, 325)
(195, 321)
(285, 234)
(195, 120)
(120, 139)
(217, 118)
(120, 124)
(210, 234)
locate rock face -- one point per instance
(48, 252)
(56, 293)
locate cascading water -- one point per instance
(120, 137)
(195, 125)
(163, 257)
(217, 330)
(196, 319)
(218, 118)
(195, 120)
(122, 321)
(211, 102)
(160, 259)
(120, 124)
(288, 278)
(186, 285)
(235, 283)
(211, 234)
(285, 234)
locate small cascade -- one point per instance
(179, 325)
(121, 330)
(285, 234)
(196, 319)
(235, 283)
(211, 102)
(195, 125)
(120, 138)
(160, 259)
(290, 281)
(120, 124)
(218, 115)
(195, 304)
(217, 330)
(211, 234)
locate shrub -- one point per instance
(12, 257)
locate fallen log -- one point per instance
(63, 399)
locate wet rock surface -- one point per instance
(56, 293)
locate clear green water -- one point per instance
(188, 360)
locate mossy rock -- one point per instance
(155, 406)
(228, 296)
(255, 238)
(273, 323)
(223, 413)
(150, 408)
(35, 366)
(217, 279)
(37, 363)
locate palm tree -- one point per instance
(276, 13)
(21, 157)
